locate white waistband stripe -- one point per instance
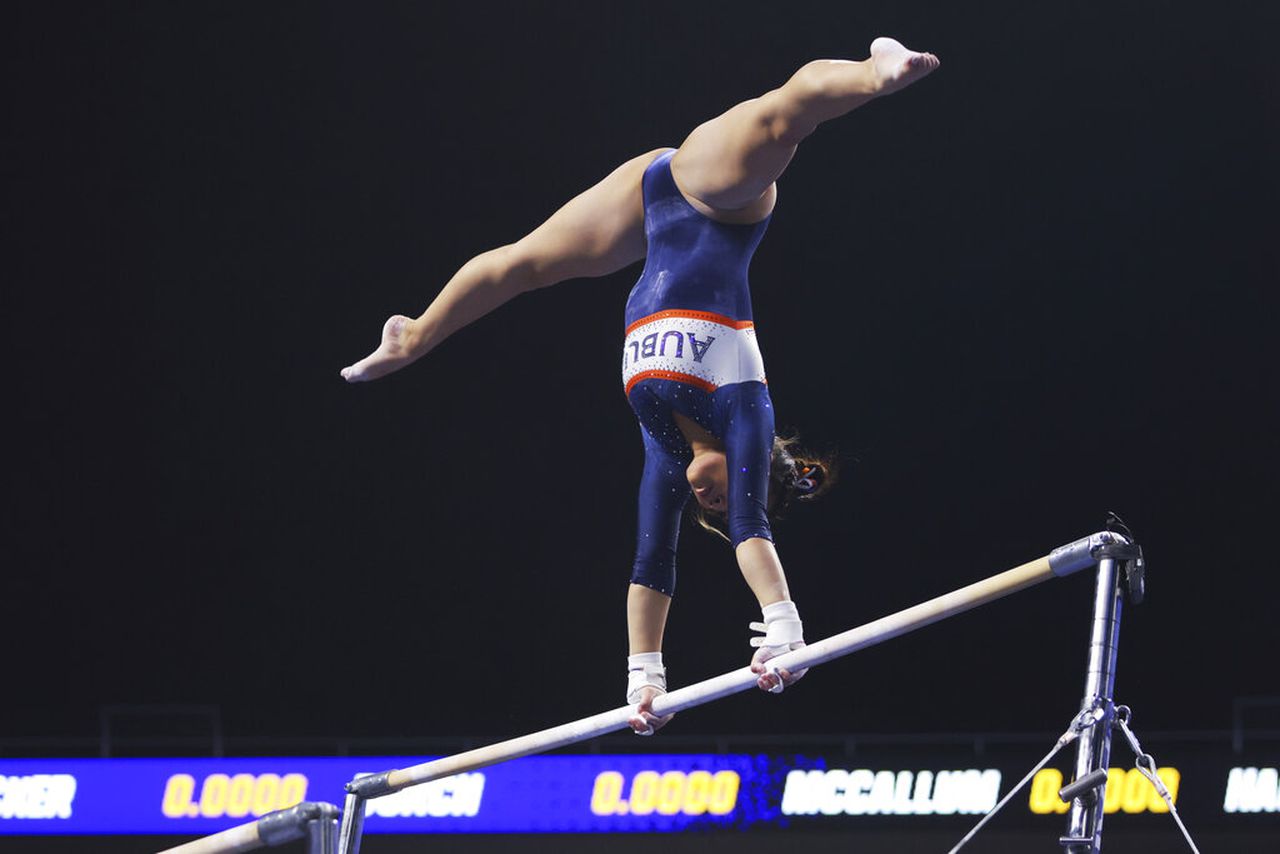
(693, 348)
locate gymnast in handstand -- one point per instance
(691, 367)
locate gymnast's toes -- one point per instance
(394, 352)
(897, 66)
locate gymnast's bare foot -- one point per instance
(395, 351)
(898, 67)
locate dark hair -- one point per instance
(795, 475)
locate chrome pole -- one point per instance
(322, 834)
(1093, 750)
(352, 827)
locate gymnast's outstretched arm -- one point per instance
(594, 234)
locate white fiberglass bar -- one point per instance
(243, 837)
(1062, 561)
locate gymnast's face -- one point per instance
(708, 476)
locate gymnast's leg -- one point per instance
(730, 163)
(596, 233)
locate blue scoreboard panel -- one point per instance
(603, 793)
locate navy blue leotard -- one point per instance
(690, 348)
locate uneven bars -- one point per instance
(274, 828)
(1062, 561)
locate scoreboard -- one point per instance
(879, 789)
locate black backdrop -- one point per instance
(1037, 286)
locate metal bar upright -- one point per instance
(1093, 750)
(322, 835)
(352, 827)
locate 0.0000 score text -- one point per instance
(234, 797)
(672, 793)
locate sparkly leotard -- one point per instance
(691, 348)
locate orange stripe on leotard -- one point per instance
(710, 316)
(697, 382)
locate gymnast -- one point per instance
(691, 367)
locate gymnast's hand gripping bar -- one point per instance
(1062, 561)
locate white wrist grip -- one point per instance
(647, 676)
(778, 633)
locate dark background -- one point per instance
(1035, 287)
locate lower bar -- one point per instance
(274, 828)
(243, 837)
